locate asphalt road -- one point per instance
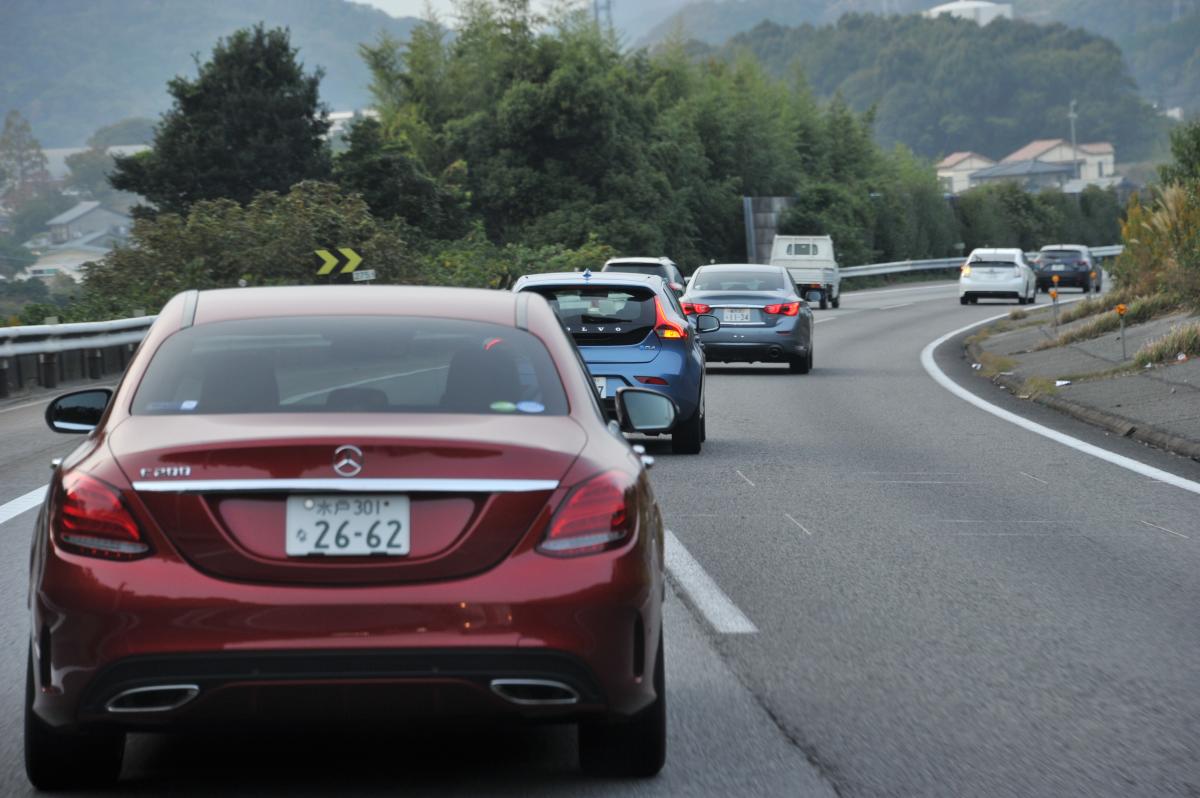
(944, 604)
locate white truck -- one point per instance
(811, 263)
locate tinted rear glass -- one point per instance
(603, 315)
(993, 264)
(656, 269)
(1061, 256)
(331, 364)
(739, 280)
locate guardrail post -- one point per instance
(95, 363)
(48, 369)
(3, 378)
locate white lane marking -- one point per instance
(1122, 461)
(797, 523)
(901, 305)
(22, 504)
(743, 476)
(1035, 479)
(1164, 529)
(704, 594)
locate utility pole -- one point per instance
(1074, 150)
(602, 9)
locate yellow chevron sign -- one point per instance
(330, 261)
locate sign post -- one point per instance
(1121, 315)
(1054, 299)
(345, 261)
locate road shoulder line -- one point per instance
(1128, 463)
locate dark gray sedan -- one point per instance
(762, 318)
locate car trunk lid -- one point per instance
(472, 492)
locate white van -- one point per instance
(811, 263)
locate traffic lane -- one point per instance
(1030, 647)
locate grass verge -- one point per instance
(1182, 338)
(1140, 309)
(992, 364)
(1037, 386)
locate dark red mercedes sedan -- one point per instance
(322, 504)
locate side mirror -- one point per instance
(79, 411)
(813, 296)
(706, 322)
(644, 410)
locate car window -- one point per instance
(596, 314)
(1061, 255)
(656, 269)
(802, 249)
(739, 280)
(994, 264)
(340, 364)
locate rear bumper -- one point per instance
(268, 654)
(763, 344)
(1065, 280)
(992, 289)
(681, 372)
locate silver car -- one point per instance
(762, 318)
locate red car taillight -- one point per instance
(785, 309)
(695, 308)
(597, 515)
(91, 520)
(664, 326)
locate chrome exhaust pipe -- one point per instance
(157, 698)
(535, 692)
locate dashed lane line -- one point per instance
(743, 476)
(22, 504)
(797, 523)
(1128, 463)
(1169, 531)
(702, 592)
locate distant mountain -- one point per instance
(942, 85)
(72, 66)
(1160, 38)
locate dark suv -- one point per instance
(1071, 263)
(665, 268)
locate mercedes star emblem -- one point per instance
(348, 460)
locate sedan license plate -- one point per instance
(737, 314)
(347, 525)
(1058, 267)
(601, 385)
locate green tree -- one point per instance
(89, 172)
(250, 121)
(30, 217)
(22, 162)
(1185, 154)
(13, 256)
(395, 184)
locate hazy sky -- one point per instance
(416, 8)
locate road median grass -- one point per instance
(1140, 309)
(1183, 339)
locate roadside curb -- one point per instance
(1119, 425)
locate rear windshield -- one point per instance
(803, 249)
(1060, 256)
(600, 315)
(656, 269)
(739, 280)
(333, 364)
(993, 264)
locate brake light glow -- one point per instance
(785, 309)
(597, 515)
(91, 520)
(664, 326)
(695, 308)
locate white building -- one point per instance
(980, 12)
(1095, 161)
(955, 170)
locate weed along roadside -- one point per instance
(1142, 383)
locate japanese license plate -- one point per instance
(737, 314)
(1058, 267)
(601, 385)
(347, 525)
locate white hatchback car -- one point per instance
(997, 274)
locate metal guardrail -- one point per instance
(29, 355)
(899, 267)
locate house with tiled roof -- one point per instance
(1032, 175)
(1095, 160)
(84, 219)
(954, 171)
